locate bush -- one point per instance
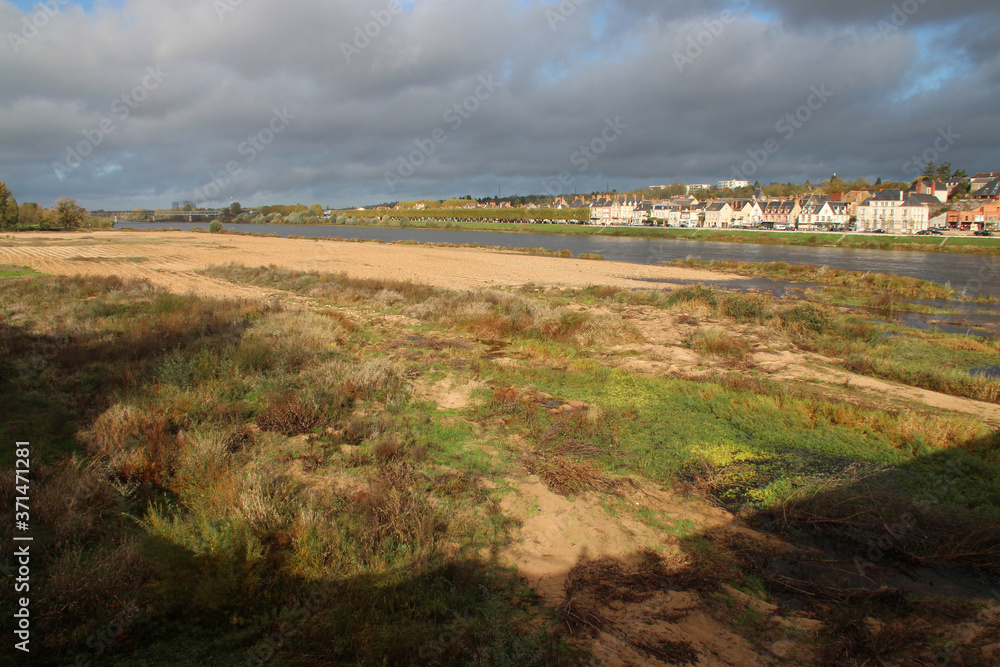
(289, 416)
(215, 227)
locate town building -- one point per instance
(892, 211)
(985, 217)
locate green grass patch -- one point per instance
(10, 271)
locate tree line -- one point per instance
(67, 214)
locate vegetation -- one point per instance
(8, 208)
(858, 282)
(30, 216)
(236, 481)
(472, 214)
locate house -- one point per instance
(985, 217)
(824, 216)
(989, 191)
(677, 215)
(855, 198)
(747, 212)
(614, 211)
(932, 188)
(892, 211)
(718, 214)
(982, 179)
(781, 214)
(662, 211)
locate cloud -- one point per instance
(358, 110)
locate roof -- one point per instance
(926, 200)
(991, 189)
(717, 206)
(888, 195)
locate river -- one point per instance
(974, 274)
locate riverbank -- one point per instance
(168, 259)
(952, 242)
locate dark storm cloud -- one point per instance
(369, 91)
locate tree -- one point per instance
(30, 214)
(69, 215)
(8, 208)
(227, 214)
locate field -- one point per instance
(292, 452)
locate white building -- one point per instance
(732, 185)
(890, 211)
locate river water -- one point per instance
(974, 274)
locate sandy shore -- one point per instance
(171, 259)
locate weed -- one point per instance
(288, 415)
(717, 342)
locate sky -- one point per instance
(133, 103)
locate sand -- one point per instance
(170, 260)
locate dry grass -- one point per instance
(567, 477)
(718, 343)
(240, 438)
(288, 415)
(395, 514)
(136, 445)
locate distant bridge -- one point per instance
(153, 216)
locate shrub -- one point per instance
(240, 438)
(136, 446)
(745, 307)
(396, 514)
(806, 316)
(719, 343)
(215, 227)
(289, 416)
(695, 294)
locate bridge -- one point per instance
(161, 214)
